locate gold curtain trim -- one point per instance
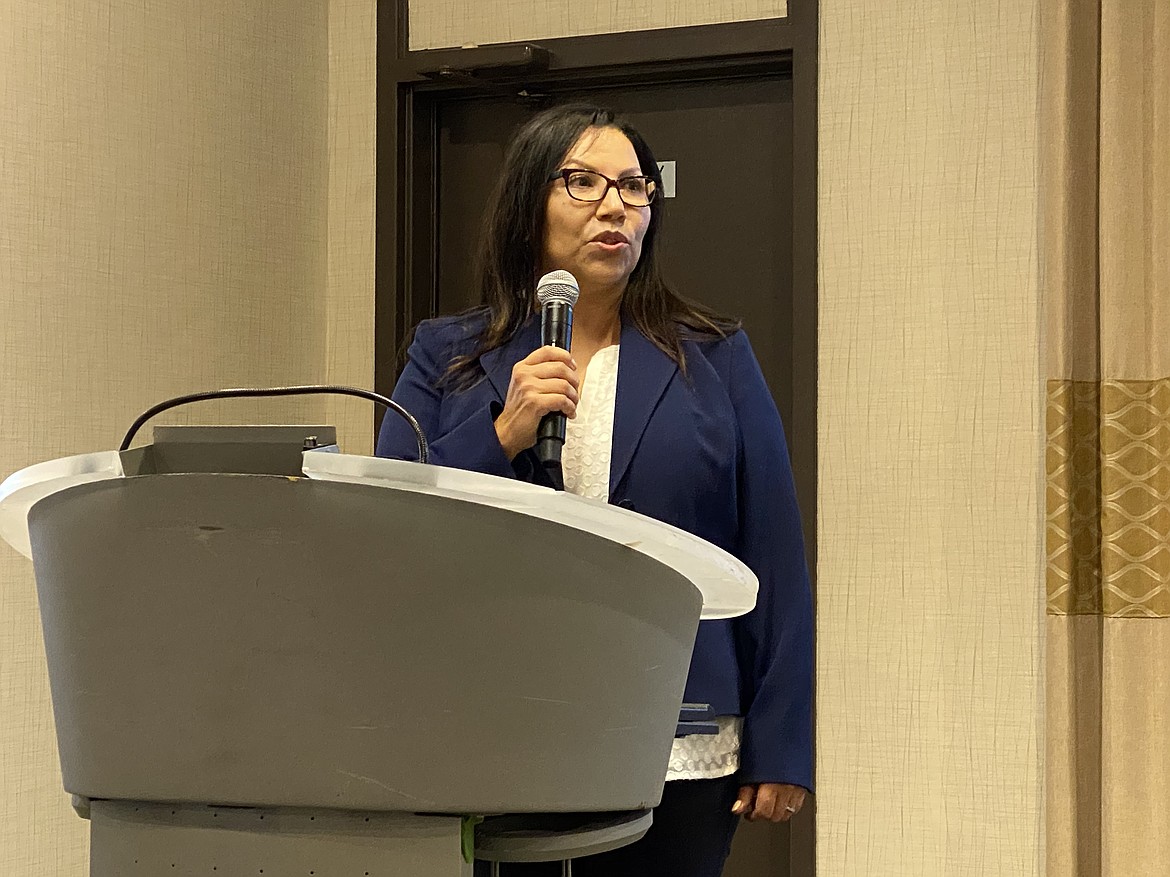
(1108, 527)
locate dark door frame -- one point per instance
(408, 87)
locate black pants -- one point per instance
(691, 837)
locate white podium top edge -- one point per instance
(727, 585)
(21, 490)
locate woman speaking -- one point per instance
(668, 414)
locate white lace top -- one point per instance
(585, 462)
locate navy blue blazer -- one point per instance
(704, 452)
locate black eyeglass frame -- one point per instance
(564, 173)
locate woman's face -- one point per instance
(598, 242)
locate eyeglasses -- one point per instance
(591, 186)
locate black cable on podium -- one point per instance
(305, 390)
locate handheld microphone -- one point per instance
(557, 292)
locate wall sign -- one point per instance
(666, 171)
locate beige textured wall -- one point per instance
(169, 173)
(349, 353)
(446, 23)
(930, 535)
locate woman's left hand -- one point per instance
(778, 802)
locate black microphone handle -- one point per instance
(556, 328)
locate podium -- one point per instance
(270, 660)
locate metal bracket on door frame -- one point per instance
(479, 63)
(487, 69)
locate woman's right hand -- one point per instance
(542, 382)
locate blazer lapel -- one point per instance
(644, 372)
(498, 363)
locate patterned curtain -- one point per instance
(1106, 178)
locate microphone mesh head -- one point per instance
(557, 286)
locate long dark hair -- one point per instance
(513, 236)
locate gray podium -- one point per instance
(269, 661)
